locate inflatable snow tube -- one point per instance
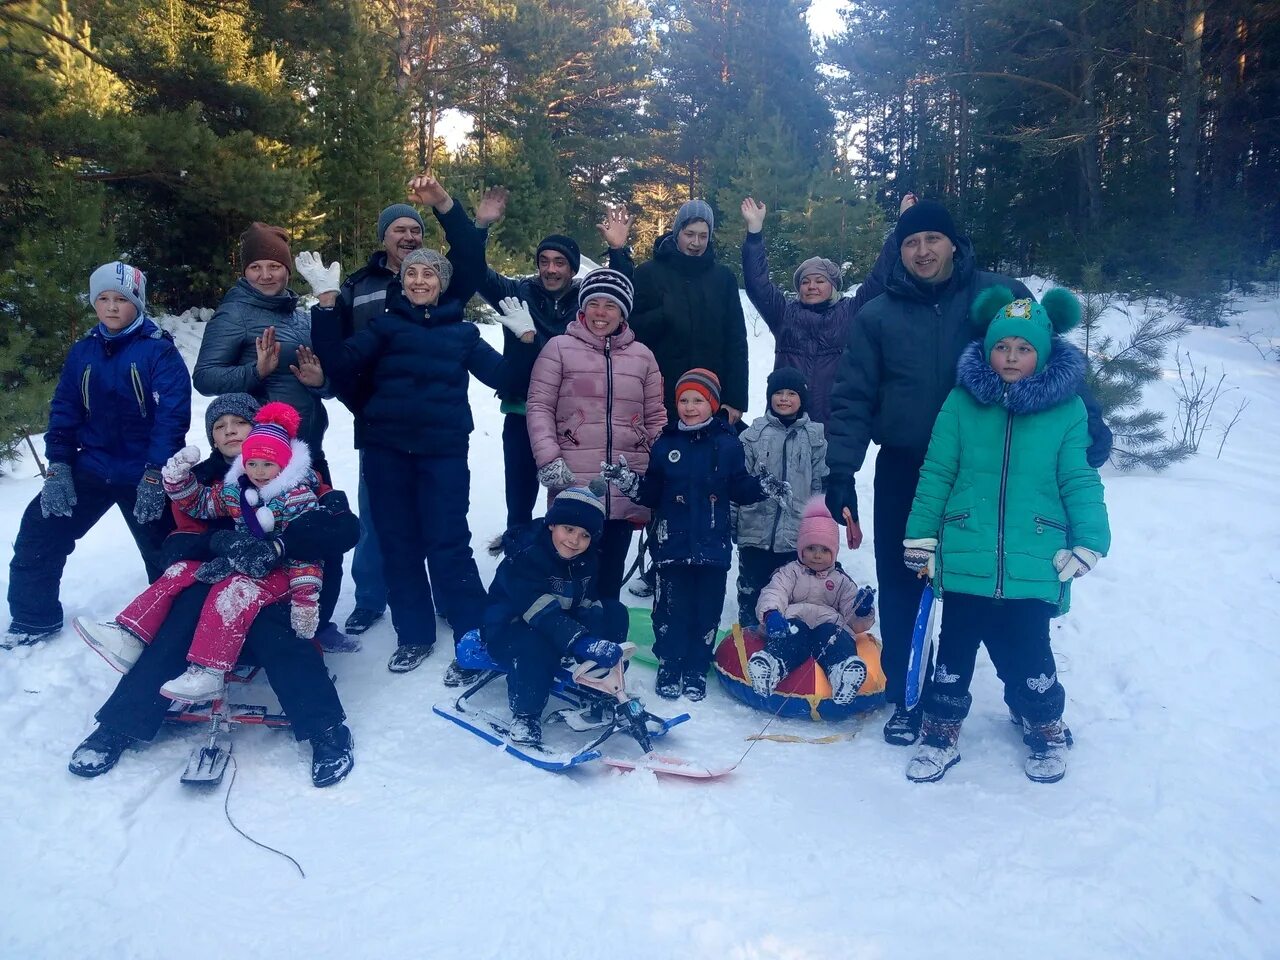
(804, 694)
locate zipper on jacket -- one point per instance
(84, 388)
(1004, 483)
(138, 390)
(777, 515)
(608, 418)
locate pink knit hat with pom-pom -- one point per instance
(816, 526)
(274, 427)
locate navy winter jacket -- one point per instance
(536, 586)
(121, 404)
(363, 295)
(692, 478)
(551, 314)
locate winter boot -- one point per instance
(459, 676)
(766, 672)
(668, 683)
(98, 752)
(846, 679)
(17, 636)
(695, 685)
(361, 619)
(409, 656)
(331, 756)
(114, 643)
(1048, 743)
(937, 751)
(903, 728)
(197, 685)
(525, 730)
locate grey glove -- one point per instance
(150, 502)
(779, 491)
(215, 570)
(246, 553)
(58, 495)
(556, 475)
(621, 476)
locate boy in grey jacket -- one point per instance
(791, 447)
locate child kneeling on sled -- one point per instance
(812, 608)
(269, 485)
(1007, 513)
(543, 606)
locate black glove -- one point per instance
(247, 554)
(215, 570)
(58, 495)
(150, 500)
(842, 493)
(864, 601)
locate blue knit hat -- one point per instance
(578, 507)
(129, 282)
(694, 210)
(393, 213)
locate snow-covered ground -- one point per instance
(1159, 843)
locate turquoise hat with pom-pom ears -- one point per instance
(1003, 316)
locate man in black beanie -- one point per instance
(898, 366)
(552, 298)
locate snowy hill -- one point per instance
(1157, 844)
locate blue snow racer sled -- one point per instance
(596, 704)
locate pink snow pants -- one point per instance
(228, 612)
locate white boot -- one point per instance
(766, 672)
(846, 679)
(114, 643)
(937, 752)
(1048, 742)
(197, 685)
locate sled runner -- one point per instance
(596, 704)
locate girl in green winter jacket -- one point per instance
(1007, 513)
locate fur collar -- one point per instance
(294, 473)
(1059, 381)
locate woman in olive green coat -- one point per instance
(1007, 513)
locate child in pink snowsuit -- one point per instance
(812, 608)
(268, 485)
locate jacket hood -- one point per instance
(397, 303)
(624, 336)
(717, 424)
(665, 249)
(1058, 382)
(147, 328)
(294, 472)
(776, 421)
(901, 283)
(242, 291)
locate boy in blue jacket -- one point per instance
(121, 409)
(696, 469)
(543, 606)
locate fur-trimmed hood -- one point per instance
(293, 475)
(1057, 383)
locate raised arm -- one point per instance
(763, 292)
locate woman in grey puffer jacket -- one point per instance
(791, 447)
(259, 340)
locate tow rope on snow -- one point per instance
(226, 809)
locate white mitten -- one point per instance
(514, 315)
(178, 467)
(304, 617)
(556, 475)
(1075, 562)
(322, 279)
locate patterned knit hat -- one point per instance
(607, 284)
(391, 214)
(1034, 322)
(704, 382)
(264, 242)
(578, 507)
(129, 282)
(434, 260)
(817, 527)
(694, 210)
(240, 405)
(565, 246)
(274, 429)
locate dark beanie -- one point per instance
(241, 405)
(264, 242)
(925, 215)
(578, 507)
(561, 244)
(786, 378)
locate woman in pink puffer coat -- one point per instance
(596, 394)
